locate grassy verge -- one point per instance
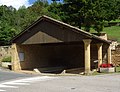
(113, 32)
(117, 20)
(118, 69)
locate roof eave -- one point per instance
(102, 40)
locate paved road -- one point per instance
(101, 83)
(8, 75)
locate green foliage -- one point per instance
(13, 21)
(99, 26)
(87, 13)
(90, 12)
(54, 10)
(116, 20)
(6, 59)
(7, 24)
(113, 32)
(118, 69)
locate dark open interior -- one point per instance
(53, 57)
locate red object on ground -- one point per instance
(106, 65)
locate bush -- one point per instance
(106, 24)
(6, 59)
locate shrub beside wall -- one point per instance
(6, 61)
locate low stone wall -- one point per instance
(4, 52)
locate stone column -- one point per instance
(109, 55)
(15, 58)
(87, 55)
(99, 54)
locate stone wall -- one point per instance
(116, 56)
(113, 44)
(4, 52)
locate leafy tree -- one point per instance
(6, 33)
(54, 10)
(6, 24)
(90, 12)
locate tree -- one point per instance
(7, 24)
(73, 12)
(90, 12)
(54, 10)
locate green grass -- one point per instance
(118, 69)
(117, 20)
(113, 32)
(6, 59)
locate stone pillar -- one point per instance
(87, 55)
(99, 54)
(109, 55)
(15, 58)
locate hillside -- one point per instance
(113, 32)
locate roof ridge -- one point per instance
(43, 17)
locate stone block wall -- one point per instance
(4, 52)
(116, 56)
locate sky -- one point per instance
(17, 3)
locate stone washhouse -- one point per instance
(49, 43)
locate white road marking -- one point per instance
(1, 90)
(34, 79)
(6, 86)
(25, 81)
(14, 83)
